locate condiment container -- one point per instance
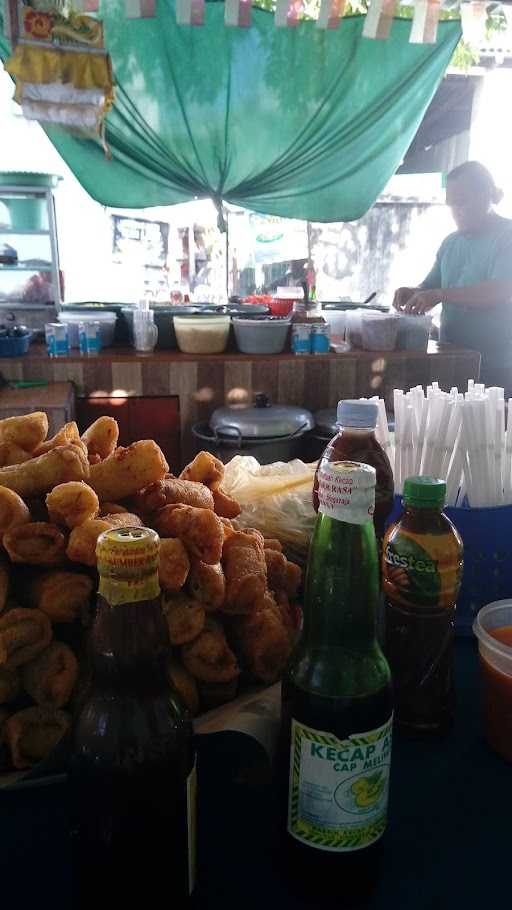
(379, 331)
(493, 628)
(266, 335)
(106, 319)
(202, 334)
(413, 332)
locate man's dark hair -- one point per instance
(479, 177)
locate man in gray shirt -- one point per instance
(472, 275)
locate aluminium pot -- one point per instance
(267, 432)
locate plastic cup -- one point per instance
(496, 675)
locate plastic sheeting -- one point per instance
(300, 123)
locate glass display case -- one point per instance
(29, 257)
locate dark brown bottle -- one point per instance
(356, 441)
(422, 570)
(132, 774)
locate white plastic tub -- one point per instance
(379, 331)
(202, 334)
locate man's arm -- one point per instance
(483, 294)
(403, 296)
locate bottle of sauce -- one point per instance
(356, 441)
(337, 706)
(132, 773)
(422, 570)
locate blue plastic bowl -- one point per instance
(15, 347)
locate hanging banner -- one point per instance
(140, 9)
(331, 12)
(190, 12)
(379, 19)
(287, 13)
(277, 239)
(237, 13)
(425, 22)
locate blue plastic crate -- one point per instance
(487, 538)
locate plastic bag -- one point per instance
(276, 499)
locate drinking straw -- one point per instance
(398, 396)
(507, 485)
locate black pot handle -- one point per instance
(229, 439)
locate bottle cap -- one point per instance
(424, 492)
(359, 414)
(128, 552)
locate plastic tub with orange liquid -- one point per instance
(493, 628)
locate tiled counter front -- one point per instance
(203, 383)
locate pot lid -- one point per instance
(326, 421)
(262, 421)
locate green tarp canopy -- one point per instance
(296, 122)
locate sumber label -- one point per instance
(129, 590)
(338, 793)
(346, 491)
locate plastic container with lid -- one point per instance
(379, 331)
(106, 319)
(413, 332)
(266, 335)
(493, 628)
(202, 334)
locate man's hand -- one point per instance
(402, 297)
(422, 301)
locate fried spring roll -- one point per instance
(63, 596)
(171, 491)
(33, 733)
(72, 503)
(184, 684)
(11, 454)
(276, 570)
(225, 506)
(245, 569)
(51, 677)
(205, 468)
(37, 543)
(174, 564)
(83, 539)
(13, 511)
(27, 432)
(207, 584)
(23, 634)
(264, 641)
(39, 475)
(5, 579)
(185, 618)
(200, 530)
(209, 657)
(127, 471)
(10, 684)
(67, 435)
(101, 438)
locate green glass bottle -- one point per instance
(337, 700)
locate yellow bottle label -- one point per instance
(192, 827)
(338, 792)
(129, 590)
(421, 570)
